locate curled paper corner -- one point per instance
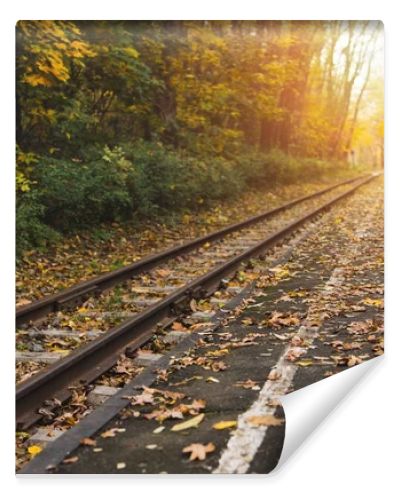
(305, 409)
(278, 422)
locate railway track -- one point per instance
(135, 301)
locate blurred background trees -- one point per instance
(122, 118)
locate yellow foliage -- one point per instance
(130, 51)
(35, 79)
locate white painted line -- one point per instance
(245, 441)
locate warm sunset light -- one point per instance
(199, 233)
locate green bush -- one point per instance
(30, 228)
(162, 180)
(77, 195)
(146, 180)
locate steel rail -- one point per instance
(91, 360)
(75, 295)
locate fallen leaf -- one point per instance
(305, 362)
(282, 337)
(158, 429)
(178, 327)
(121, 465)
(110, 433)
(278, 319)
(187, 380)
(225, 424)
(193, 422)
(294, 353)
(163, 273)
(274, 374)
(296, 340)
(280, 272)
(248, 384)
(268, 420)
(197, 404)
(151, 446)
(285, 298)
(373, 302)
(218, 366)
(218, 353)
(141, 399)
(34, 450)
(164, 414)
(23, 302)
(71, 460)
(354, 360)
(198, 451)
(88, 441)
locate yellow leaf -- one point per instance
(225, 424)
(64, 352)
(373, 302)
(212, 379)
(35, 80)
(305, 362)
(193, 422)
(34, 450)
(218, 353)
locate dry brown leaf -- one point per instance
(164, 414)
(23, 302)
(218, 353)
(248, 384)
(278, 319)
(178, 327)
(88, 441)
(294, 353)
(267, 420)
(297, 340)
(274, 374)
(218, 366)
(112, 432)
(198, 451)
(354, 360)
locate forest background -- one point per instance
(136, 120)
